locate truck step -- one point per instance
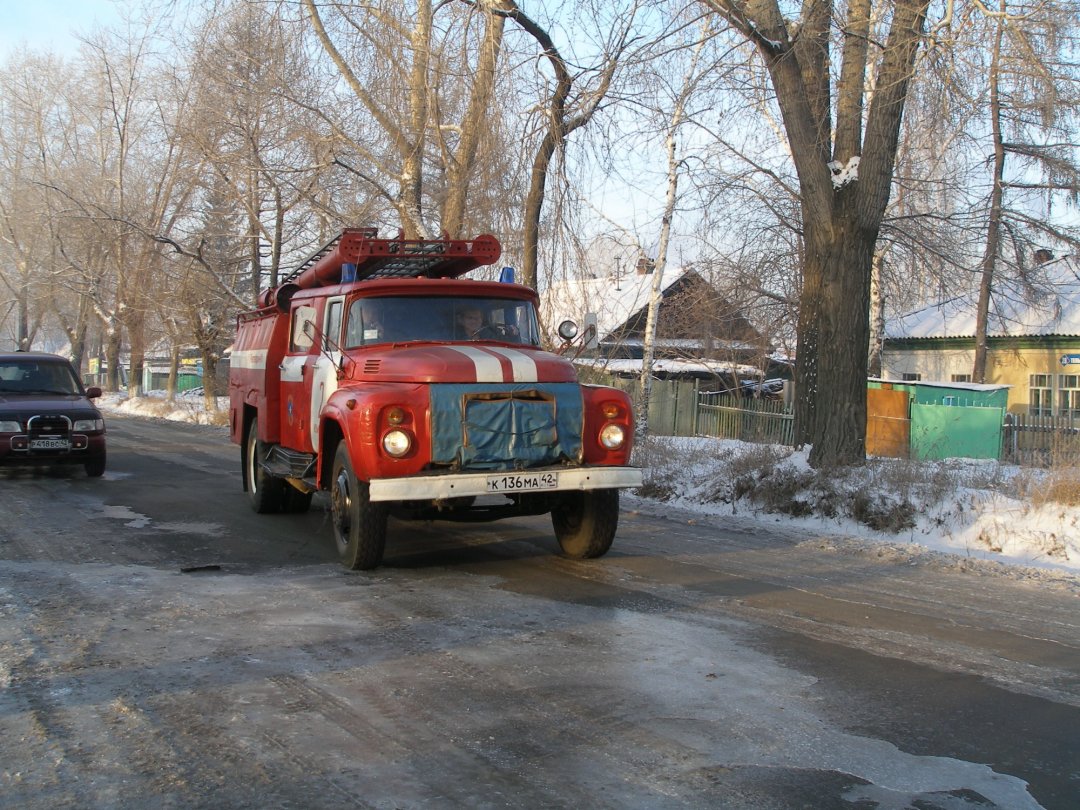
(285, 463)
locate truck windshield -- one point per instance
(440, 319)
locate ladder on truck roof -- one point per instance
(392, 258)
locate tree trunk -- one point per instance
(843, 343)
(993, 225)
(174, 371)
(112, 357)
(23, 338)
(209, 377)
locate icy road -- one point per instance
(163, 646)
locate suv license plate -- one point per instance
(522, 482)
(50, 444)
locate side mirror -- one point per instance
(93, 392)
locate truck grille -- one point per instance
(48, 435)
(48, 425)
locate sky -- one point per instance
(52, 24)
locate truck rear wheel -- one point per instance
(359, 524)
(266, 493)
(585, 522)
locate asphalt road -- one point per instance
(163, 646)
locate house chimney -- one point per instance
(645, 266)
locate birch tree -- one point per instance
(674, 166)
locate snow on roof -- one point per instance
(671, 366)
(963, 386)
(613, 300)
(1011, 314)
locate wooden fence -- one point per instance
(680, 408)
(764, 421)
(1042, 441)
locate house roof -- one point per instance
(1011, 313)
(615, 301)
(960, 386)
(672, 366)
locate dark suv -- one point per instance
(46, 416)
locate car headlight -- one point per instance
(397, 443)
(10, 427)
(612, 436)
(88, 424)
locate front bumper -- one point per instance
(15, 450)
(439, 486)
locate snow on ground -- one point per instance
(977, 509)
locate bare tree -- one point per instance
(674, 166)
(563, 115)
(1026, 79)
(845, 172)
(417, 113)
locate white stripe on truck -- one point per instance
(488, 367)
(524, 367)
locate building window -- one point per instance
(961, 378)
(1041, 394)
(1069, 394)
(908, 376)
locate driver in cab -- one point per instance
(469, 324)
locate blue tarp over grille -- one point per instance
(507, 426)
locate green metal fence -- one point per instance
(680, 408)
(763, 421)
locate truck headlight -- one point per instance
(612, 436)
(10, 427)
(88, 424)
(397, 443)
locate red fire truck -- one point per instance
(377, 373)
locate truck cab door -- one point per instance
(296, 378)
(324, 376)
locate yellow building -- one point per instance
(1033, 345)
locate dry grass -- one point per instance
(1061, 487)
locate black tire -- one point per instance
(296, 502)
(585, 522)
(265, 492)
(359, 524)
(95, 467)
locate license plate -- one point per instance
(50, 444)
(522, 482)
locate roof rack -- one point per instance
(357, 254)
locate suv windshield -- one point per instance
(33, 376)
(398, 320)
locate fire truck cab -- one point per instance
(378, 374)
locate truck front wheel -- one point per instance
(585, 522)
(359, 524)
(266, 492)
